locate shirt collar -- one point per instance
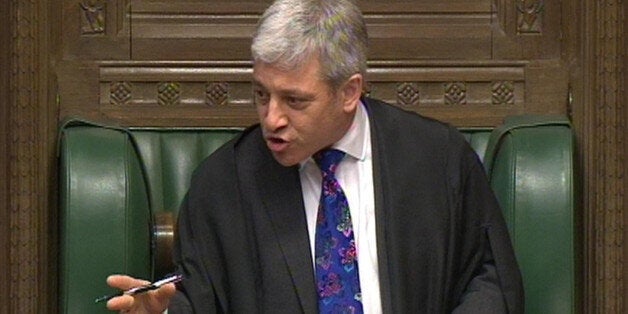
(354, 142)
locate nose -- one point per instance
(275, 117)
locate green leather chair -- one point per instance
(120, 190)
(529, 161)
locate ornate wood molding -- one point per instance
(467, 93)
(604, 163)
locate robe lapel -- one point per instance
(380, 184)
(281, 194)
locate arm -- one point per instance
(483, 293)
(496, 284)
(195, 291)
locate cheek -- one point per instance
(261, 112)
(317, 124)
(314, 132)
(300, 129)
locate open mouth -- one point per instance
(276, 140)
(276, 144)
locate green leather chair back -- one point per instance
(105, 215)
(530, 165)
(114, 182)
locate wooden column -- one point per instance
(5, 63)
(603, 155)
(28, 115)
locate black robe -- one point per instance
(442, 243)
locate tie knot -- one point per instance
(328, 159)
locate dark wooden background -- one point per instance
(185, 63)
(470, 62)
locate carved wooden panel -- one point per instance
(184, 30)
(424, 29)
(420, 29)
(221, 30)
(209, 93)
(95, 29)
(188, 61)
(462, 94)
(528, 29)
(175, 93)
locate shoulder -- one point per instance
(410, 130)
(221, 164)
(411, 144)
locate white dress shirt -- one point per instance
(355, 175)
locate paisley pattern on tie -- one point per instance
(336, 261)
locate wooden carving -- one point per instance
(93, 17)
(529, 16)
(455, 93)
(217, 93)
(168, 93)
(407, 94)
(503, 93)
(120, 93)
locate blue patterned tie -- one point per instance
(337, 277)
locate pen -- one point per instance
(141, 289)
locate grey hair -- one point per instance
(291, 31)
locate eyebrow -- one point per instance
(288, 92)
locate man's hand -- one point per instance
(155, 301)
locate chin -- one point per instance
(285, 161)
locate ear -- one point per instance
(351, 92)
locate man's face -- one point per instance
(299, 112)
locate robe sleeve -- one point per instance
(496, 284)
(195, 291)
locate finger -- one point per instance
(124, 282)
(166, 292)
(159, 299)
(121, 303)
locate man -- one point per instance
(418, 229)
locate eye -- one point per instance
(296, 102)
(260, 97)
(292, 101)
